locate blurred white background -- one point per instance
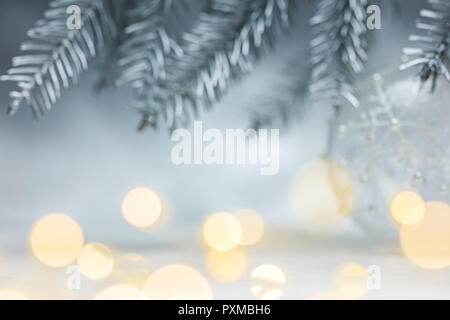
(84, 156)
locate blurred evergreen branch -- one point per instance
(338, 49)
(228, 37)
(147, 45)
(434, 59)
(286, 100)
(110, 55)
(174, 74)
(56, 56)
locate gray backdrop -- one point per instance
(85, 155)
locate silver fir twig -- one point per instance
(435, 59)
(148, 44)
(108, 67)
(286, 100)
(338, 49)
(56, 56)
(228, 37)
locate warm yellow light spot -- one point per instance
(222, 231)
(142, 207)
(177, 281)
(12, 294)
(132, 269)
(407, 208)
(351, 281)
(120, 292)
(321, 193)
(133, 257)
(252, 226)
(268, 282)
(95, 261)
(56, 239)
(427, 243)
(342, 186)
(227, 266)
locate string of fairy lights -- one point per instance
(57, 241)
(322, 195)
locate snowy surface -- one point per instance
(309, 265)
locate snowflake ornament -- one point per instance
(397, 140)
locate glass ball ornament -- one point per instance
(398, 140)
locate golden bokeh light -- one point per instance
(12, 294)
(56, 240)
(321, 194)
(177, 282)
(351, 281)
(407, 208)
(95, 261)
(268, 282)
(132, 269)
(142, 207)
(133, 257)
(120, 292)
(427, 243)
(252, 226)
(222, 231)
(227, 266)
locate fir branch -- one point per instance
(147, 42)
(56, 56)
(434, 60)
(226, 40)
(286, 101)
(109, 57)
(147, 45)
(338, 49)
